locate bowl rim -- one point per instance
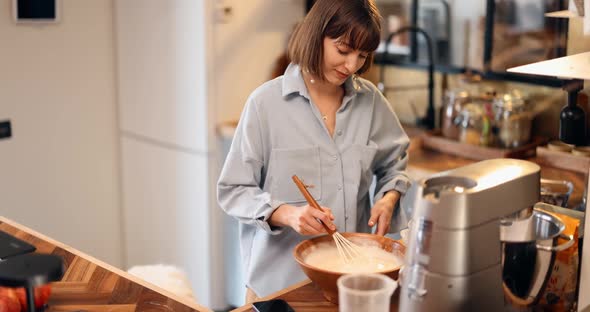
(345, 234)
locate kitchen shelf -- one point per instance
(435, 141)
(404, 62)
(575, 66)
(562, 14)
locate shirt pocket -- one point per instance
(365, 155)
(368, 154)
(303, 162)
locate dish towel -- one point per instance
(168, 277)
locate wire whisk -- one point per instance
(349, 252)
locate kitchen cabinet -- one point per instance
(483, 37)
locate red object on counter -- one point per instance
(42, 294)
(15, 299)
(8, 300)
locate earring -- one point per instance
(307, 72)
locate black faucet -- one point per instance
(428, 120)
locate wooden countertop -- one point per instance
(306, 297)
(91, 285)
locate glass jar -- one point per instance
(512, 120)
(474, 124)
(453, 103)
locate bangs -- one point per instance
(361, 38)
(363, 34)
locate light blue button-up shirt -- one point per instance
(281, 133)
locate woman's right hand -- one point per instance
(303, 219)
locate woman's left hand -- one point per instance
(382, 211)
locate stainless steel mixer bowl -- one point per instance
(527, 262)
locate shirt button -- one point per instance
(335, 157)
(339, 187)
(339, 132)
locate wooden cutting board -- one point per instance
(435, 141)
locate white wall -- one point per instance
(165, 127)
(59, 172)
(246, 48)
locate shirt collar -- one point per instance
(293, 82)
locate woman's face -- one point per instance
(341, 61)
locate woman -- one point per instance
(327, 126)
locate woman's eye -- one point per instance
(363, 56)
(342, 52)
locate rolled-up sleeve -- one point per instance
(392, 158)
(239, 191)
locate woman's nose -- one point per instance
(352, 63)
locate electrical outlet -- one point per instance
(5, 130)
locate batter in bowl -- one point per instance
(326, 257)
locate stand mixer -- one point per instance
(455, 253)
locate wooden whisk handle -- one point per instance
(312, 202)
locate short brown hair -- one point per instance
(356, 22)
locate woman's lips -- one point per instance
(341, 75)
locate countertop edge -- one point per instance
(107, 266)
(248, 307)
